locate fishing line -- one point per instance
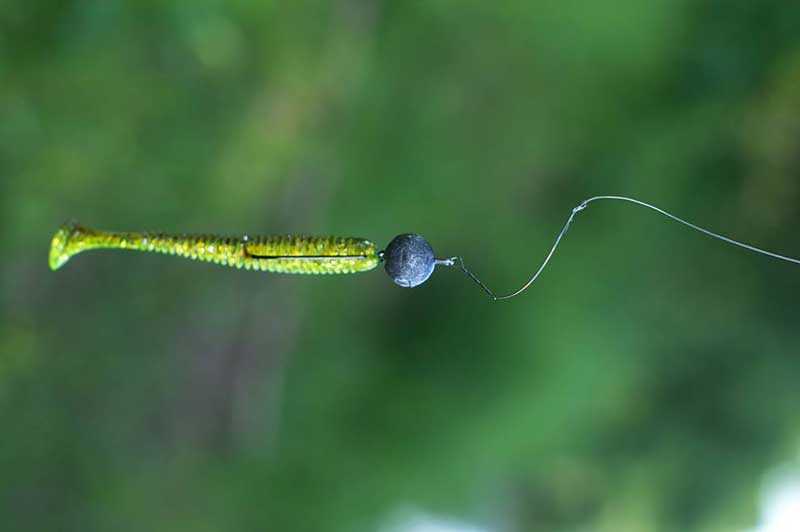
(460, 262)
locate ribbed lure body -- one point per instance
(280, 254)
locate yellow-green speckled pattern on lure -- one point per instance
(280, 254)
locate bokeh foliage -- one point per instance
(645, 383)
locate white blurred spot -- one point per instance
(780, 502)
(420, 522)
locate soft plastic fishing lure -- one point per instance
(279, 254)
(409, 259)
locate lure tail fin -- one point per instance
(63, 247)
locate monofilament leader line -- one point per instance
(460, 262)
(409, 259)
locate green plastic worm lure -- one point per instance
(279, 254)
(409, 258)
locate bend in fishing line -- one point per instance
(458, 261)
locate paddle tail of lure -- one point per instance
(299, 254)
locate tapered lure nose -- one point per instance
(409, 260)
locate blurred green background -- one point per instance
(648, 381)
